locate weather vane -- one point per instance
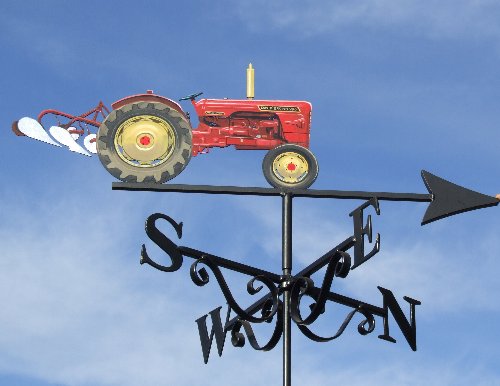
(147, 139)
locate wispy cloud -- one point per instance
(429, 273)
(66, 51)
(77, 308)
(423, 270)
(396, 374)
(38, 41)
(433, 19)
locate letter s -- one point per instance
(167, 245)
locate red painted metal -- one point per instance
(148, 97)
(145, 141)
(245, 124)
(250, 124)
(100, 109)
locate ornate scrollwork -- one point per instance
(338, 265)
(238, 338)
(363, 329)
(200, 277)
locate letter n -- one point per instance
(409, 329)
(217, 330)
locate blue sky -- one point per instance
(396, 87)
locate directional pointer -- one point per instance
(445, 198)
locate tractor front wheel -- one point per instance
(144, 142)
(290, 167)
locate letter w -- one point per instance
(217, 330)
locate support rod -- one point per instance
(287, 273)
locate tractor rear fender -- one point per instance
(148, 97)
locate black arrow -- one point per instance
(257, 191)
(449, 199)
(446, 198)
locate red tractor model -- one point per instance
(149, 138)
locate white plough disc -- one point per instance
(33, 129)
(91, 146)
(63, 136)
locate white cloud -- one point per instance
(398, 373)
(78, 309)
(444, 276)
(62, 50)
(444, 279)
(434, 19)
(38, 41)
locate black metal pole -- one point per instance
(287, 272)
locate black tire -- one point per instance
(290, 167)
(149, 129)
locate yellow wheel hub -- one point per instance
(290, 167)
(145, 141)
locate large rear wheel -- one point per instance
(144, 142)
(290, 167)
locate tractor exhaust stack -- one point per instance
(250, 82)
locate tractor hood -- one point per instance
(225, 107)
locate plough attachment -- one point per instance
(65, 133)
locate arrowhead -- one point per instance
(449, 199)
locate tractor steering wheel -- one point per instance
(191, 96)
